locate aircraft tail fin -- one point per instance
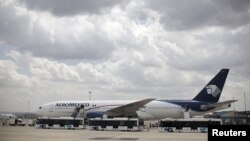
(212, 91)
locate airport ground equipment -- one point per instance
(187, 125)
(119, 124)
(17, 122)
(62, 122)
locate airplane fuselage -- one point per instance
(157, 109)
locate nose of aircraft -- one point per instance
(38, 112)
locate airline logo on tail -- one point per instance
(213, 90)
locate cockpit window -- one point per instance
(40, 107)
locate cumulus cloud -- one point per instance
(10, 77)
(45, 35)
(186, 15)
(120, 49)
(69, 8)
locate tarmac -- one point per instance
(34, 134)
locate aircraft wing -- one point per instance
(215, 105)
(128, 109)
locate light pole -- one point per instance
(245, 102)
(28, 106)
(90, 95)
(233, 104)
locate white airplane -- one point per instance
(7, 116)
(148, 109)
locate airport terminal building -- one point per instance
(232, 117)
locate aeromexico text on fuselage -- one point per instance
(73, 104)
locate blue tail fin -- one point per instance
(212, 91)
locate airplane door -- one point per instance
(51, 108)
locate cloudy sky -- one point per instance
(60, 50)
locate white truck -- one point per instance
(17, 122)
